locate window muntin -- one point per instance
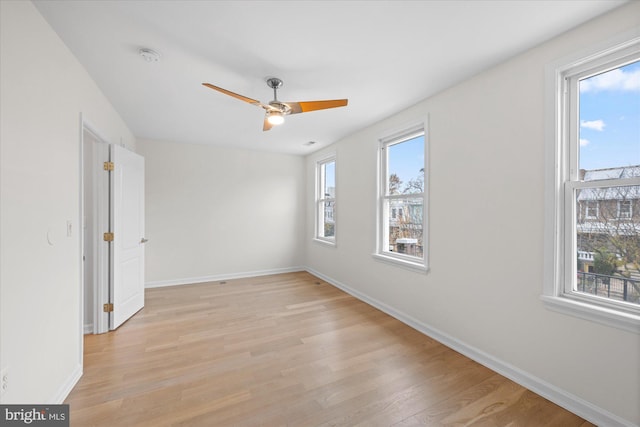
(402, 223)
(326, 200)
(601, 128)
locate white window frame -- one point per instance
(321, 199)
(382, 252)
(562, 181)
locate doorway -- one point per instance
(95, 255)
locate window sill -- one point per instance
(331, 243)
(625, 321)
(409, 265)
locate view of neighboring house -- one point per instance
(608, 232)
(405, 226)
(329, 210)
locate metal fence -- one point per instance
(614, 287)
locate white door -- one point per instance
(127, 225)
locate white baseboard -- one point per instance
(570, 402)
(67, 386)
(219, 277)
(88, 328)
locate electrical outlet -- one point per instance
(4, 375)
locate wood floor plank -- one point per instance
(287, 350)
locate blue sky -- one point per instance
(610, 118)
(330, 175)
(406, 159)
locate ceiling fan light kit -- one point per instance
(276, 110)
(275, 117)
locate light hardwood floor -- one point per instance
(291, 350)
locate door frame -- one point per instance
(100, 266)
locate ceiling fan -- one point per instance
(276, 110)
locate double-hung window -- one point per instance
(326, 200)
(596, 230)
(402, 220)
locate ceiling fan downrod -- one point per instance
(275, 84)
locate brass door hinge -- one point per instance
(108, 237)
(107, 308)
(109, 166)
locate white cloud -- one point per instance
(612, 80)
(583, 142)
(593, 124)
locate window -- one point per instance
(596, 271)
(591, 209)
(624, 209)
(326, 200)
(401, 220)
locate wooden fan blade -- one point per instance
(235, 95)
(306, 106)
(266, 126)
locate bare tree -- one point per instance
(394, 184)
(415, 185)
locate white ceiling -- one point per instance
(384, 56)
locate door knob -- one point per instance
(143, 240)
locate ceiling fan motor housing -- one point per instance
(282, 107)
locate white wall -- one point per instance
(216, 213)
(43, 90)
(486, 168)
